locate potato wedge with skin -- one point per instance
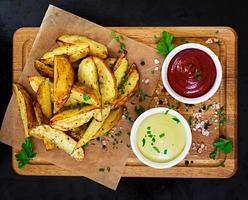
(110, 62)
(93, 127)
(96, 48)
(73, 118)
(98, 115)
(26, 109)
(43, 97)
(107, 81)
(128, 87)
(59, 138)
(41, 119)
(75, 96)
(110, 122)
(87, 73)
(121, 67)
(85, 94)
(43, 69)
(63, 81)
(74, 52)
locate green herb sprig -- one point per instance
(86, 97)
(139, 110)
(222, 116)
(26, 154)
(224, 145)
(119, 39)
(164, 43)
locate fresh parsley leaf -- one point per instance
(119, 133)
(86, 97)
(118, 38)
(139, 110)
(213, 154)
(121, 87)
(223, 144)
(165, 45)
(176, 120)
(141, 94)
(222, 116)
(26, 154)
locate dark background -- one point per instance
(18, 13)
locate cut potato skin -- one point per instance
(59, 138)
(43, 97)
(107, 81)
(41, 119)
(130, 87)
(109, 122)
(74, 52)
(93, 127)
(26, 109)
(43, 69)
(73, 118)
(63, 81)
(95, 48)
(121, 68)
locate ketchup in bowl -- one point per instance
(191, 73)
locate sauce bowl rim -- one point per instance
(145, 160)
(203, 97)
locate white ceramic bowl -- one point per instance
(159, 165)
(205, 96)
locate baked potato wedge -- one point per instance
(121, 67)
(85, 94)
(26, 109)
(41, 119)
(128, 86)
(87, 73)
(43, 97)
(107, 81)
(43, 69)
(73, 118)
(63, 81)
(59, 138)
(74, 52)
(93, 127)
(109, 122)
(110, 62)
(96, 48)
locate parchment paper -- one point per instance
(57, 22)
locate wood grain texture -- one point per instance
(202, 166)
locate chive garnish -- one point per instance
(190, 120)
(148, 128)
(101, 169)
(176, 119)
(153, 139)
(118, 133)
(161, 135)
(143, 142)
(156, 149)
(166, 112)
(165, 151)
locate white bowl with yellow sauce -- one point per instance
(160, 138)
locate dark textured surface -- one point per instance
(19, 13)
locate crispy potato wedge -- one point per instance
(43, 97)
(98, 115)
(74, 52)
(76, 92)
(121, 67)
(96, 48)
(85, 94)
(59, 138)
(43, 69)
(73, 118)
(87, 73)
(26, 109)
(110, 122)
(63, 81)
(128, 87)
(41, 119)
(93, 127)
(110, 62)
(107, 81)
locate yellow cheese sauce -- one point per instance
(161, 137)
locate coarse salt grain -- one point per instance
(147, 81)
(216, 40)
(156, 68)
(209, 41)
(156, 61)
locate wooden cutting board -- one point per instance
(196, 164)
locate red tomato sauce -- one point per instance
(191, 73)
